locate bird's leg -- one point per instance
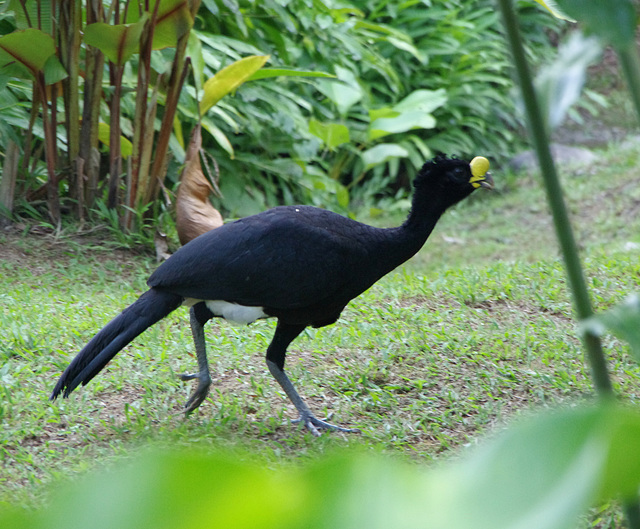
(284, 335)
(306, 417)
(203, 376)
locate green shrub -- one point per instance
(411, 79)
(381, 53)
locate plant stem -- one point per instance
(632, 513)
(53, 195)
(631, 66)
(564, 233)
(115, 157)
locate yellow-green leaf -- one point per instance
(266, 73)
(230, 78)
(177, 131)
(104, 132)
(552, 7)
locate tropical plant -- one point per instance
(615, 24)
(46, 48)
(408, 80)
(412, 79)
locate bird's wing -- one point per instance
(276, 260)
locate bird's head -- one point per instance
(453, 179)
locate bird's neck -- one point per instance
(403, 242)
(425, 212)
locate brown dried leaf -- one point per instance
(195, 214)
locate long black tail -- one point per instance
(150, 308)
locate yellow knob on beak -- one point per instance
(480, 175)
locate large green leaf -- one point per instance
(32, 14)
(345, 92)
(230, 78)
(623, 321)
(54, 71)
(383, 153)
(423, 100)
(541, 474)
(343, 95)
(401, 123)
(173, 20)
(612, 20)
(118, 42)
(331, 134)
(413, 112)
(29, 49)
(399, 39)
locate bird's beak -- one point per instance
(484, 180)
(487, 183)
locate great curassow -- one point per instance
(299, 264)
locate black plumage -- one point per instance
(299, 264)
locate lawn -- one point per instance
(473, 331)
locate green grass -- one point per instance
(476, 329)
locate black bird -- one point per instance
(299, 264)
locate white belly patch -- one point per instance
(235, 313)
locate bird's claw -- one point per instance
(199, 394)
(315, 425)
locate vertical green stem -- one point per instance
(115, 156)
(176, 82)
(53, 195)
(632, 512)
(69, 53)
(631, 66)
(94, 68)
(582, 303)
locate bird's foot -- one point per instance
(315, 425)
(200, 393)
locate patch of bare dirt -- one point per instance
(35, 247)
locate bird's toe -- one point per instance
(315, 425)
(199, 394)
(194, 401)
